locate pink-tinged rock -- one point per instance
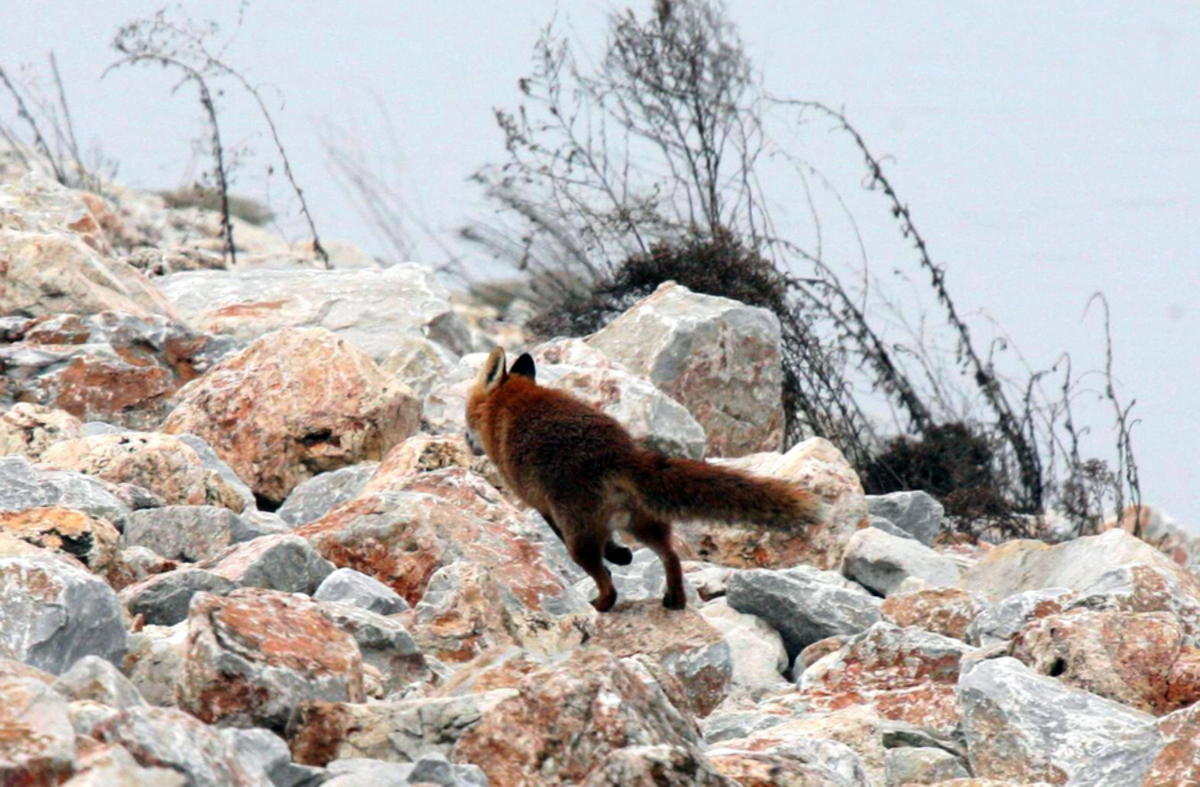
(566, 719)
(1156, 528)
(295, 403)
(113, 766)
(420, 453)
(1126, 657)
(819, 650)
(93, 542)
(255, 654)
(944, 611)
(659, 766)
(760, 769)
(1178, 762)
(717, 357)
(37, 741)
(904, 674)
(29, 429)
(815, 465)
(164, 464)
(1145, 588)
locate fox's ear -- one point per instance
(524, 367)
(492, 373)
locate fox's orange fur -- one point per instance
(579, 468)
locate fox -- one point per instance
(585, 474)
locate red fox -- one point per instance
(578, 467)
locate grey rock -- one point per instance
(86, 715)
(435, 769)
(187, 533)
(879, 523)
(53, 614)
(420, 363)
(155, 662)
(804, 604)
(735, 725)
(384, 643)
(163, 599)
(999, 622)
(357, 589)
(431, 768)
(916, 513)
(264, 753)
(908, 765)
(210, 461)
(316, 496)
(900, 734)
(116, 767)
(880, 562)
(93, 678)
(22, 486)
(254, 524)
(759, 657)
(280, 562)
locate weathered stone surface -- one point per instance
(294, 404)
(999, 622)
(154, 662)
(719, 358)
(803, 603)
(22, 487)
(430, 769)
(815, 465)
(283, 562)
(136, 564)
(357, 589)
(1144, 588)
(759, 657)
(187, 533)
(37, 741)
(904, 674)
(265, 755)
(52, 614)
(1023, 727)
(946, 611)
(255, 654)
(1131, 658)
(1178, 762)
(419, 454)
(164, 464)
(29, 429)
(114, 766)
(163, 599)
(815, 652)
(566, 719)
(910, 765)
(93, 678)
(317, 496)
(93, 542)
(418, 362)
(657, 766)
(367, 308)
(385, 644)
(916, 513)
(210, 461)
(171, 738)
(758, 769)
(880, 561)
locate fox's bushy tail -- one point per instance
(672, 488)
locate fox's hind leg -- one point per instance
(584, 529)
(656, 534)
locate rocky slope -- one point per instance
(242, 542)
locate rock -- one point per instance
(295, 403)
(37, 741)
(29, 429)
(317, 496)
(719, 358)
(904, 674)
(52, 614)
(999, 622)
(805, 605)
(136, 564)
(284, 562)
(814, 464)
(23, 487)
(916, 513)
(1144, 588)
(93, 542)
(436, 769)
(93, 678)
(164, 464)
(1157, 528)
(431, 769)
(266, 755)
(368, 308)
(1023, 727)
(1178, 761)
(113, 765)
(722, 726)
(756, 769)
(759, 657)
(644, 579)
(357, 589)
(163, 599)
(880, 562)
(171, 738)
(654, 766)
(385, 644)
(566, 720)
(815, 652)
(112, 366)
(909, 765)
(419, 454)
(187, 533)
(945, 611)
(154, 662)
(1131, 658)
(418, 362)
(255, 654)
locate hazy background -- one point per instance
(1046, 150)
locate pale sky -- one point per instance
(1046, 150)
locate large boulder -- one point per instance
(717, 357)
(946, 611)
(916, 513)
(187, 533)
(293, 404)
(29, 429)
(317, 496)
(368, 308)
(37, 740)
(93, 542)
(881, 562)
(283, 562)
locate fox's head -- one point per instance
(491, 378)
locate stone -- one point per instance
(815, 652)
(187, 533)
(28, 429)
(731, 725)
(294, 404)
(154, 662)
(23, 486)
(385, 644)
(910, 765)
(317, 496)
(657, 766)
(1144, 588)
(1178, 761)
(37, 740)
(283, 562)
(114, 766)
(757, 769)
(880, 562)
(999, 622)
(265, 754)
(255, 654)
(756, 649)
(815, 465)
(419, 454)
(52, 614)
(367, 308)
(164, 464)
(210, 461)
(93, 542)
(905, 674)
(916, 513)
(945, 611)
(357, 589)
(93, 678)
(804, 604)
(1024, 727)
(717, 357)
(163, 599)
(418, 362)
